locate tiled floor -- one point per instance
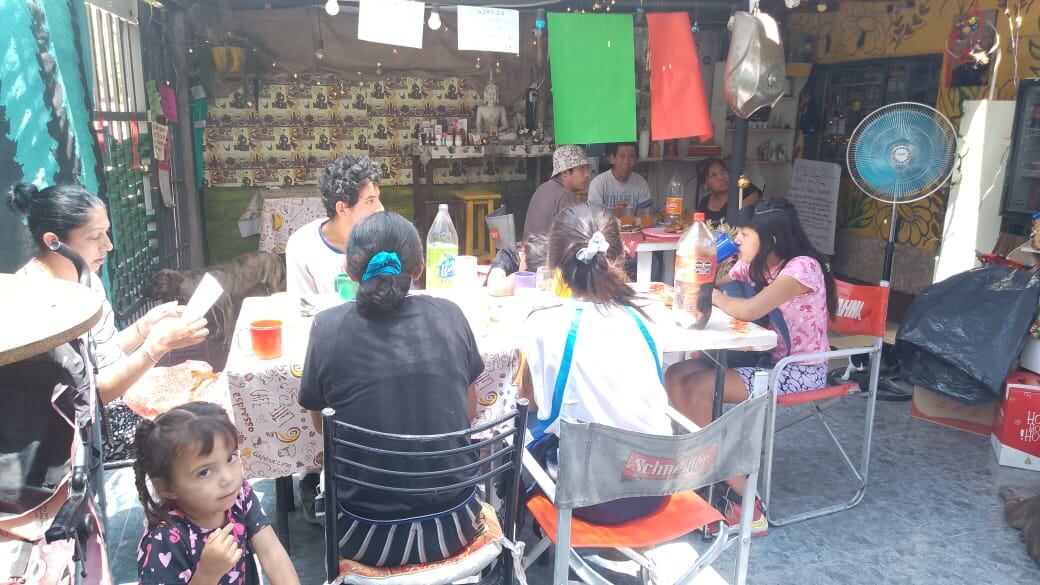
(931, 513)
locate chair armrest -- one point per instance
(547, 485)
(825, 355)
(684, 422)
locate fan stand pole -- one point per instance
(890, 247)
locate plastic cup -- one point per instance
(545, 280)
(266, 337)
(346, 287)
(465, 271)
(524, 281)
(725, 247)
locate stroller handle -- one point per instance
(82, 270)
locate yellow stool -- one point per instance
(479, 204)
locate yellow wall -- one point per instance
(867, 30)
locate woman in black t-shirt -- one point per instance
(713, 176)
(398, 364)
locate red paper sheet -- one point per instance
(678, 107)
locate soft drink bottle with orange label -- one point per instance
(695, 266)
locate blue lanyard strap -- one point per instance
(561, 376)
(649, 342)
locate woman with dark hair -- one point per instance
(400, 364)
(529, 255)
(713, 177)
(788, 274)
(77, 218)
(593, 356)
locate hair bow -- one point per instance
(596, 245)
(382, 263)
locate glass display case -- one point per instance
(1022, 177)
(847, 92)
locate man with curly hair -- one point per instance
(314, 255)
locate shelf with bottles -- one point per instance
(764, 130)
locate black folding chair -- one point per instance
(497, 448)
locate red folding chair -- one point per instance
(862, 310)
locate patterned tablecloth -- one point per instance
(283, 211)
(277, 436)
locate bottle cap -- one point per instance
(698, 216)
(442, 207)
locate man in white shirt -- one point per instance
(314, 254)
(621, 183)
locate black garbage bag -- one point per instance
(961, 336)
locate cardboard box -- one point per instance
(1016, 430)
(938, 409)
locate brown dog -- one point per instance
(1023, 512)
(251, 274)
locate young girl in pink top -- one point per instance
(789, 276)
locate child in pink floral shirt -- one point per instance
(206, 524)
(788, 275)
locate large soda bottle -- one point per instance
(673, 202)
(695, 267)
(442, 246)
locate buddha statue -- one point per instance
(492, 120)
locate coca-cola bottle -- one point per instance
(695, 267)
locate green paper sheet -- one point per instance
(592, 60)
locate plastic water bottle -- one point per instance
(673, 203)
(442, 246)
(695, 266)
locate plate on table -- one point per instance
(163, 388)
(660, 233)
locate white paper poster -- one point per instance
(814, 193)
(392, 22)
(159, 134)
(489, 29)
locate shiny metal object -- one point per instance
(755, 67)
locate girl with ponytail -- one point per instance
(594, 358)
(399, 364)
(204, 521)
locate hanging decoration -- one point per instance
(972, 40)
(678, 106)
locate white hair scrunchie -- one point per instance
(596, 245)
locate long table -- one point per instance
(278, 437)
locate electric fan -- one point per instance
(898, 154)
(901, 153)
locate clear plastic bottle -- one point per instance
(695, 266)
(673, 203)
(442, 246)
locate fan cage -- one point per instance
(904, 131)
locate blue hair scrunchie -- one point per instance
(382, 263)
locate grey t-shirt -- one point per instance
(548, 200)
(607, 191)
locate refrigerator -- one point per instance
(1022, 178)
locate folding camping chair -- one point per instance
(598, 463)
(862, 310)
(494, 444)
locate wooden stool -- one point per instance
(479, 204)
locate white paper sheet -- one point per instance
(392, 22)
(207, 293)
(489, 29)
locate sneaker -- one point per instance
(731, 513)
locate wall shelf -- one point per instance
(764, 130)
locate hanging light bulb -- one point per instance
(332, 7)
(379, 68)
(821, 7)
(435, 17)
(319, 53)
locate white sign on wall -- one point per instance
(489, 29)
(814, 193)
(392, 22)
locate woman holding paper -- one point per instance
(77, 218)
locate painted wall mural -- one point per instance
(45, 135)
(283, 130)
(872, 30)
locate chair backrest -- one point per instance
(862, 309)
(599, 463)
(491, 448)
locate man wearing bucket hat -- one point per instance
(570, 174)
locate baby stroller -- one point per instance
(52, 528)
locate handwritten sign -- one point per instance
(489, 29)
(391, 22)
(159, 134)
(814, 193)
